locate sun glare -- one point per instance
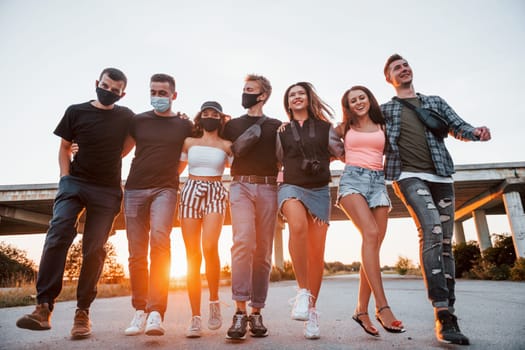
(178, 266)
(178, 252)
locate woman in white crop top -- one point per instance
(202, 208)
(364, 199)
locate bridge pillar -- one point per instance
(459, 234)
(482, 229)
(278, 254)
(516, 216)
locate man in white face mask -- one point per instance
(150, 199)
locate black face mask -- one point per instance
(210, 124)
(250, 100)
(107, 98)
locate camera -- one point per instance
(311, 166)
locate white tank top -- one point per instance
(206, 161)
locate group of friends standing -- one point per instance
(286, 173)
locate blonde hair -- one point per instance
(264, 83)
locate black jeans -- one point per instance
(102, 204)
(431, 205)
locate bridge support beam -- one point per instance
(459, 233)
(482, 229)
(24, 215)
(278, 244)
(516, 216)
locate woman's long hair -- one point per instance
(349, 118)
(317, 108)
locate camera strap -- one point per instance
(297, 137)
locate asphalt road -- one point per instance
(492, 315)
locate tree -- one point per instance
(466, 255)
(503, 252)
(403, 265)
(113, 272)
(335, 266)
(15, 267)
(517, 273)
(73, 261)
(497, 261)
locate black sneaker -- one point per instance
(237, 330)
(257, 328)
(447, 329)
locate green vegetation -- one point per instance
(18, 273)
(466, 255)
(284, 274)
(496, 263)
(16, 268)
(113, 272)
(405, 266)
(517, 272)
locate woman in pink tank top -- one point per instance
(364, 199)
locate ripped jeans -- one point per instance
(431, 205)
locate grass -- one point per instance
(26, 294)
(19, 296)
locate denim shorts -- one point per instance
(316, 200)
(368, 183)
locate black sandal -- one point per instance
(397, 324)
(355, 317)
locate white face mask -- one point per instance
(160, 104)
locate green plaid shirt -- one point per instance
(443, 163)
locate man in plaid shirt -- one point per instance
(421, 169)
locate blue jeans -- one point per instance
(431, 205)
(149, 221)
(253, 213)
(102, 204)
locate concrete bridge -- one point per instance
(481, 190)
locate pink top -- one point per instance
(365, 149)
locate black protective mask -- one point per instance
(107, 98)
(210, 124)
(250, 100)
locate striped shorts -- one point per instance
(199, 198)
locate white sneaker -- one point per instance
(311, 327)
(215, 318)
(301, 305)
(154, 324)
(138, 323)
(195, 328)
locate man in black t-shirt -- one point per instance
(90, 182)
(150, 200)
(253, 201)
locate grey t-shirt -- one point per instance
(412, 143)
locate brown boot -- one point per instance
(81, 325)
(39, 320)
